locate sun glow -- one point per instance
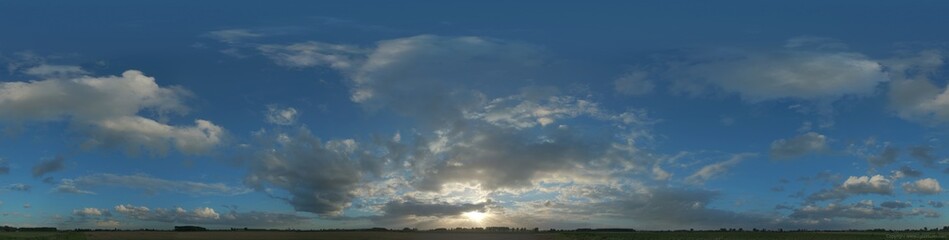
(476, 216)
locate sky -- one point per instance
(427, 114)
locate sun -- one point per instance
(476, 216)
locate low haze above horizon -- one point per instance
(427, 114)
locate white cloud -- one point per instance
(923, 186)
(877, 184)
(107, 110)
(88, 212)
(797, 146)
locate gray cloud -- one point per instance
(924, 155)
(319, 176)
(47, 166)
(4, 167)
(889, 155)
(410, 207)
(914, 96)
(936, 204)
(798, 146)
(145, 183)
(895, 204)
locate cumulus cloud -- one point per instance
(319, 176)
(145, 183)
(789, 74)
(634, 84)
(48, 166)
(90, 212)
(106, 110)
(281, 116)
(855, 185)
(923, 186)
(877, 184)
(712, 170)
(798, 146)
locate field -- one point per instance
(470, 236)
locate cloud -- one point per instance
(889, 155)
(4, 167)
(281, 116)
(410, 208)
(681, 208)
(428, 77)
(924, 155)
(923, 186)
(206, 215)
(634, 84)
(106, 110)
(709, 171)
(787, 74)
(232, 36)
(108, 224)
(906, 171)
(312, 54)
(914, 96)
(20, 187)
(798, 146)
(877, 184)
(55, 71)
(319, 176)
(936, 204)
(48, 166)
(146, 183)
(860, 210)
(855, 185)
(90, 212)
(895, 204)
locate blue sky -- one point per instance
(648, 114)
